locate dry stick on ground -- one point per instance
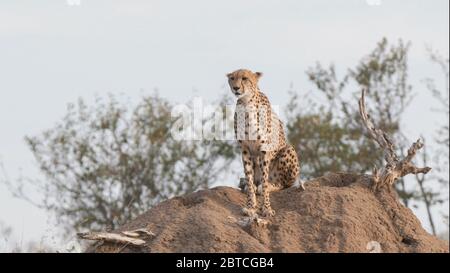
(110, 237)
(128, 237)
(395, 168)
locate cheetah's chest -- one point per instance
(253, 146)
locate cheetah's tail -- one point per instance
(299, 184)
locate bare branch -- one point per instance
(128, 237)
(377, 134)
(413, 150)
(110, 237)
(394, 168)
(142, 232)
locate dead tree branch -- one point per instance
(395, 168)
(133, 237)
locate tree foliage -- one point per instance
(107, 163)
(330, 136)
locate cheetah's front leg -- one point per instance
(267, 210)
(250, 210)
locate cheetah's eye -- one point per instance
(232, 78)
(244, 78)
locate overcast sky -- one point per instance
(52, 52)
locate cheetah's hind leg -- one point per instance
(285, 169)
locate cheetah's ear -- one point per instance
(229, 75)
(258, 75)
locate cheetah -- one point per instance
(269, 162)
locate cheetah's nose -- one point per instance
(236, 88)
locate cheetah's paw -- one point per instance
(250, 212)
(267, 212)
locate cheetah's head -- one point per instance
(243, 82)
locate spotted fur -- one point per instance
(269, 162)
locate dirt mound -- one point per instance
(336, 213)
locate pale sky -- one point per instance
(52, 52)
